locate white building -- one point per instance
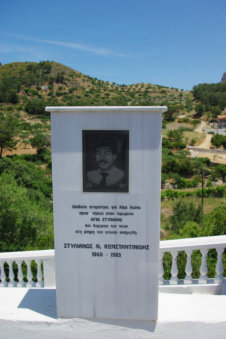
(221, 121)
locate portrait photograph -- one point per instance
(105, 160)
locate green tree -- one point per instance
(60, 77)
(188, 105)
(35, 106)
(199, 109)
(41, 142)
(214, 223)
(190, 230)
(184, 212)
(170, 114)
(219, 140)
(25, 224)
(174, 139)
(175, 135)
(27, 175)
(220, 171)
(9, 86)
(46, 66)
(8, 131)
(12, 97)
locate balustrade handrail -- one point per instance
(39, 254)
(194, 243)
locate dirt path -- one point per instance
(20, 150)
(206, 143)
(200, 127)
(215, 158)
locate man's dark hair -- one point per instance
(107, 142)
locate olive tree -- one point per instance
(8, 132)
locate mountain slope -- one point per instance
(57, 84)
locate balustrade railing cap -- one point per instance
(106, 109)
(194, 243)
(42, 254)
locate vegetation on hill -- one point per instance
(25, 179)
(25, 206)
(8, 132)
(211, 99)
(219, 140)
(35, 85)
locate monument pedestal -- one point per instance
(106, 190)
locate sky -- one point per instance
(176, 43)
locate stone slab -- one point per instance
(26, 313)
(107, 240)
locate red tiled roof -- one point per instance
(221, 117)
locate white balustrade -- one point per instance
(11, 274)
(20, 276)
(3, 282)
(29, 273)
(188, 268)
(174, 269)
(161, 269)
(203, 267)
(45, 271)
(24, 263)
(39, 273)
(219, 266)
(189, 245)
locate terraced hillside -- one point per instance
(57, 84)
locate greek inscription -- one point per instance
(104, 220)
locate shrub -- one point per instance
(40, 142)
(190, 230)
(219, 140)
(35, 106)
(214, 223)
(182, 213)
(12, 97)
(27, 175)
(8, 130)
(24, 223)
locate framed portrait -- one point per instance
(105, 160)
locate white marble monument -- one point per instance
(106, 192)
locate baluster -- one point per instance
(219, 266)
(188, 269)
(29, 273)
(39, 273)
(203, 268)
(161, 269)
(174, 270)
(20, 274)
(1, 267)
(3, 276)
(11, 274)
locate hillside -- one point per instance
(57, 84)
(25, 166)
(26, 88)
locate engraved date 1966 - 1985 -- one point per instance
(100, 254)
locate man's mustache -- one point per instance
(102, 162)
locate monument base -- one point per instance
(26, 313)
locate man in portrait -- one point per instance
(108, 174)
